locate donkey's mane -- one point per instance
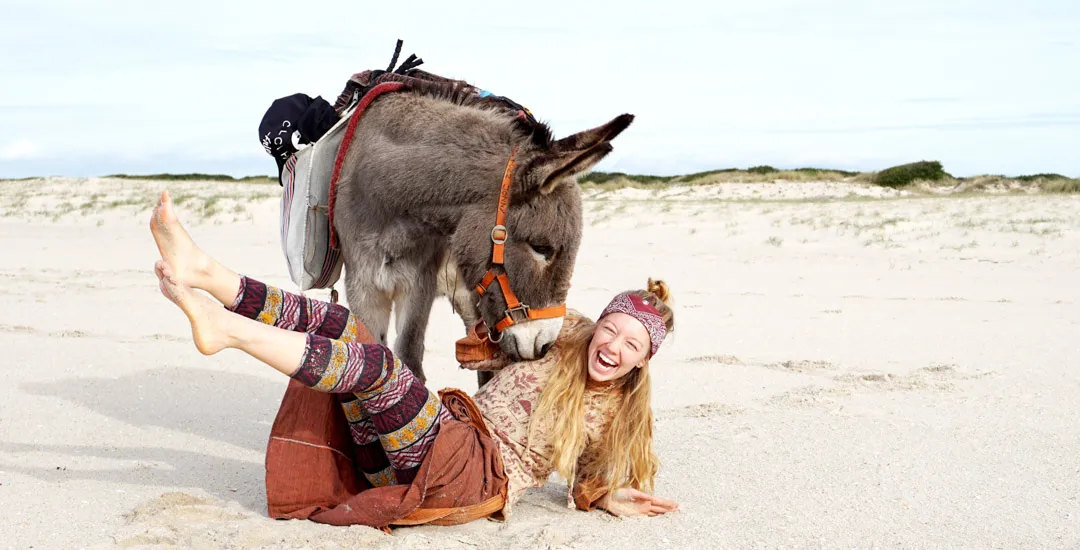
(461, 93)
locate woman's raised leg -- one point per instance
(270, 306)
(403, 412)
(215, 329)
(190, 265)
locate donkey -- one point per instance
(417, 201)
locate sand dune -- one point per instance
(853, 367)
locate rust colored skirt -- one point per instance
(311, 468)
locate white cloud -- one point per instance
(717, 84)
(21, 149)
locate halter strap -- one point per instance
(516, 312)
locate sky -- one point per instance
(985, 87)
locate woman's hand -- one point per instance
(632, 502)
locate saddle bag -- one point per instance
(305, 212)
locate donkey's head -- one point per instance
(543, 233)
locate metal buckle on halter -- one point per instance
(489, 331)
(524, 309)
(499, 240)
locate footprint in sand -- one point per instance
(181, 505)
(24, 329)
(719, 359)
(74, 333)
(69, 334)
(165, 338)
(19, 329)
(800, 365)
(182, 520)
(701, 410)
(934, 378)
(796, 365)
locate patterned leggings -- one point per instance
(393, 417)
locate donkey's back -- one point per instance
(420, 194)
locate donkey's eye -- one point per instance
(546, 251)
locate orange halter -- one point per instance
(516, 312)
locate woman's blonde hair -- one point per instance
(626, 457)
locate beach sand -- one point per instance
(853, 367)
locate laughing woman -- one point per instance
(359, 440)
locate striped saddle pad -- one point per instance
(305, 212)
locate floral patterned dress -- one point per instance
(508, 401)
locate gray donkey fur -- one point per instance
(417, 199)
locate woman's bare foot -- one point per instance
(208, 320)
(189, 265)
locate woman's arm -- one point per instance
(624, 501)
(591, 492)
(627, 501)
(590, 489)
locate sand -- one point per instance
(853, 368)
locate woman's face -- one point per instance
(619, 344)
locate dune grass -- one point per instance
(925, 176)
(920, 176)
(195, 177)
(755, 174)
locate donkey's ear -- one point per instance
(551, 169)
(587, 138)
(575, 154)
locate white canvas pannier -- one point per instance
(305, 211)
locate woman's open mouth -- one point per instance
(605, 362)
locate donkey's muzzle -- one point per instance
(531, 339)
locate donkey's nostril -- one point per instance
(514, 350)
(544, 349)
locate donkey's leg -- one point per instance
(368, 303)
(454, 287)
(483, 377)
(412, 309)
(451, 285)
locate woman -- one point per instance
(582, 410)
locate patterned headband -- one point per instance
(632, 305)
